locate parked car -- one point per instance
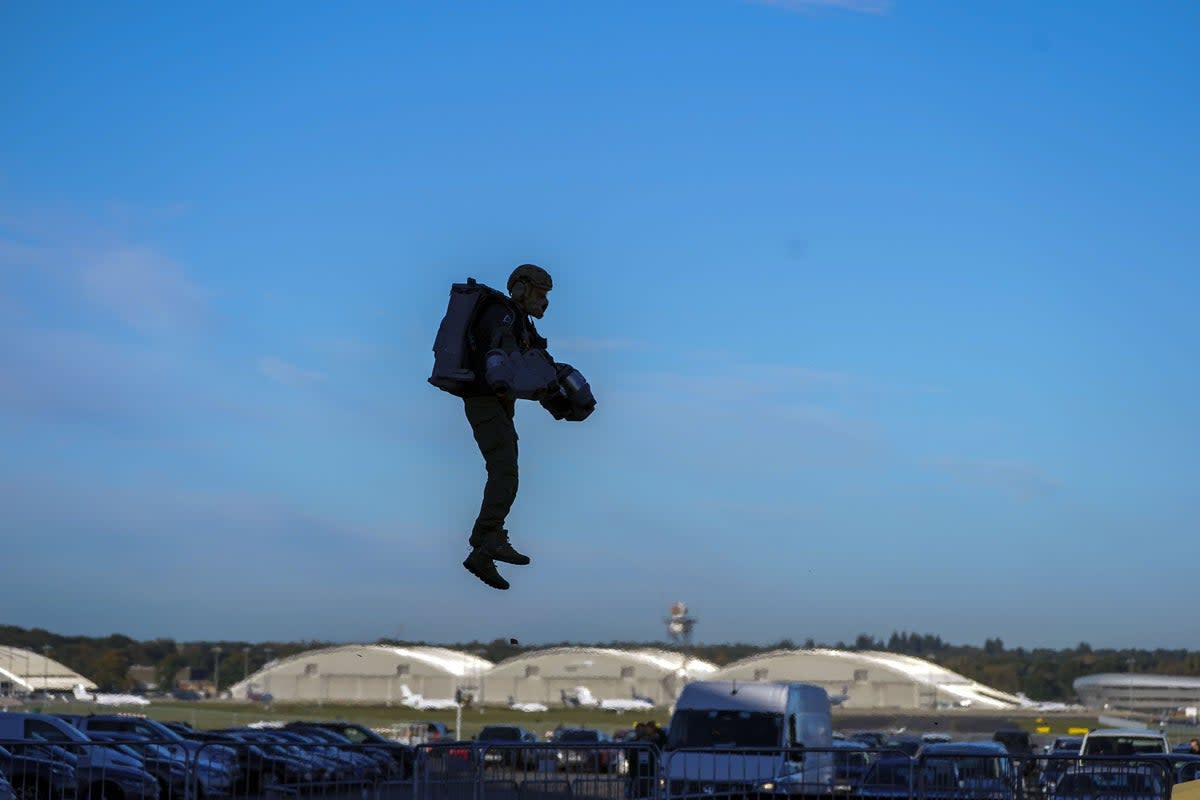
(171, 773)
(591, 755)
(37, 776)
(1108, 781)
(851, 759)
(498, 745)
(872, 739)
(1123, 742)
(984, 770)
(216, 766)
(898, 777)
(401, 754)
(98, 772)
(1015, 740)
(1065, 743)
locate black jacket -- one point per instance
(498, 324)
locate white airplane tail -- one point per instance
(82, 693)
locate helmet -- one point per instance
(531, 274)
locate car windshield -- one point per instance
(1123, 745)
(694, 728)
(979, 767)
(500, 734)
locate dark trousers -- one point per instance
(492, 424)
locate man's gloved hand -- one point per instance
(557, 404)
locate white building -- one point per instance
(1138, 691)
(24, 671)
(543, 676)
(367, 673)
(871, 679)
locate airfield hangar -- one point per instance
(870, 679)
(364, 674)
(24, 671)
(547, 676)
(1133, 691)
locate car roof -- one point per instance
(946, 748)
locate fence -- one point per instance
(282, 764)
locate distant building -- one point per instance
(1133, 691)
(545, 676)
(193, 679)
(377, 674)
(24, 671)
(143, 676)
(871, 679)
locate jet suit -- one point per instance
(499, 325)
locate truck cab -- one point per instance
(734, 739)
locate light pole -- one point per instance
(217, 670)
(46, 669)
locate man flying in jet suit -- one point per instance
(504, 324)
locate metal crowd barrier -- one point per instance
(290, 765)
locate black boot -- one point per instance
(480, 564)
(500, 549)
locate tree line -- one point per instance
(1043, 674)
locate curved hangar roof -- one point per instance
(1136, 680)
(1133, 690)
(543, 676)
(367, 673)
(26, 671)
(870, 679)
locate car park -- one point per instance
(98, 772)
(1108, 781)
(38, 776)
(216, 766)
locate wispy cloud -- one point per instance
(143, 288)
(861, 6)
(1019, 479)
(281, 371)
(137, 284)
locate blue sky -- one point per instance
(889, 308)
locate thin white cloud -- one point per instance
(139, 285)
(143, 288)
(281, 371)
(860, 6)
(1017, 478)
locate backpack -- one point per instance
(454, 343)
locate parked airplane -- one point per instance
(421, 704)
(582, 697)
(102, 699)
(527, 707)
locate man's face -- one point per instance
(535, 302)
